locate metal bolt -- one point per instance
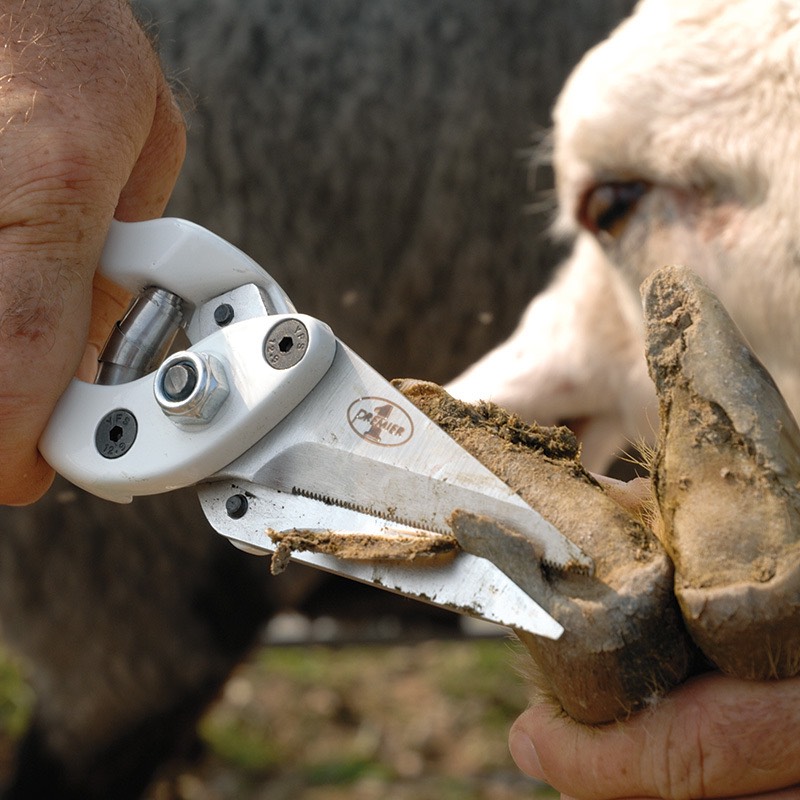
(179, 381)
(286, 344)
(115, 433)
(223, 314)
(191, 387)
(236, 506)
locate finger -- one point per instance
(153, 177)
(786, 794)
(713, 737)
(144, 196)
(35, 310)
(50, 241)
(69, 149)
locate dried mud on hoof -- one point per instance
(624, 641)
(726, 480)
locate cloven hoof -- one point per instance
(624, 642)
(726, 478)
(709, 571)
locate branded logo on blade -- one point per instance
(380, 421)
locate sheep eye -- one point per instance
(607, 207)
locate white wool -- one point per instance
(701, 99)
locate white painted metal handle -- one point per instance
(115, 441)
(183, 258)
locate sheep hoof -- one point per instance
(624, 642)
(726, 478)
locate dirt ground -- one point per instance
(425, 721)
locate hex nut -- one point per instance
(191, 387)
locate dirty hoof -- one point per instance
(726, 479)
(624, 642)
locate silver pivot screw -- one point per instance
(191, 387)
(179, 381)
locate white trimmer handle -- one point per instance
(147, 452)
(183, 258)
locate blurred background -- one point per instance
(385, 161)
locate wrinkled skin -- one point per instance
(87, 135)
(713, 737)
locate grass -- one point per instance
(426, 721)
(396, 723)
(16, 698)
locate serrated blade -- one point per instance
(462, 583)
(358, 454)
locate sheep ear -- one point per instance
(726, 474)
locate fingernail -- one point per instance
(524, 754)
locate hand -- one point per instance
(88, 130)
(713, 737)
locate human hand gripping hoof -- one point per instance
(616, 712)
(725, 478)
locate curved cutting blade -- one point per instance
(357, 456)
